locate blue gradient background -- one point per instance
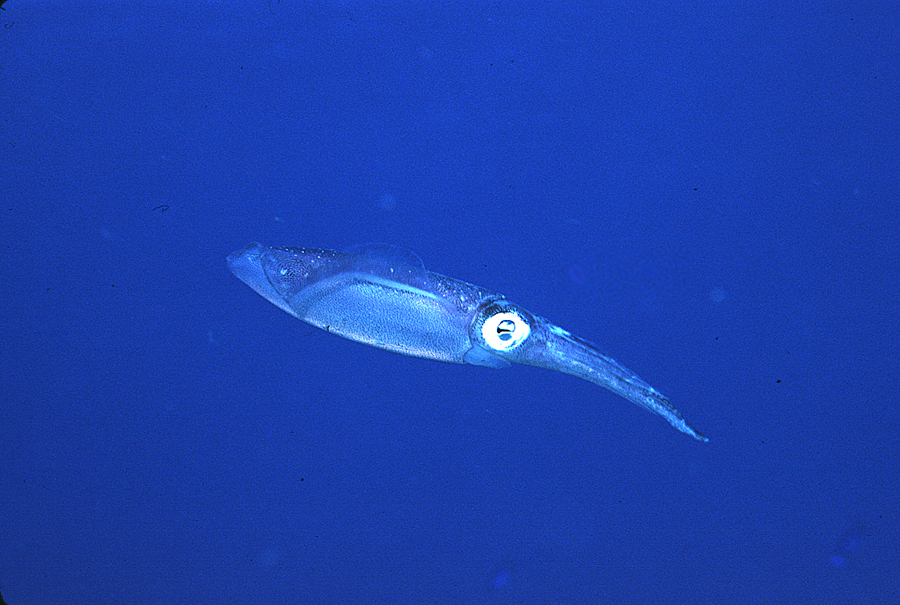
(710, 193)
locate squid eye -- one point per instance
(505, 330)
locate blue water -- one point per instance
(708, 192)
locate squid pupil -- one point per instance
(505, 329)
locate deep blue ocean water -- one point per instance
(710, 193)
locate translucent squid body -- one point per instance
(383, 296)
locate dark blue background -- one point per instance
(710, 193)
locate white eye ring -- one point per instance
(505, 330)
